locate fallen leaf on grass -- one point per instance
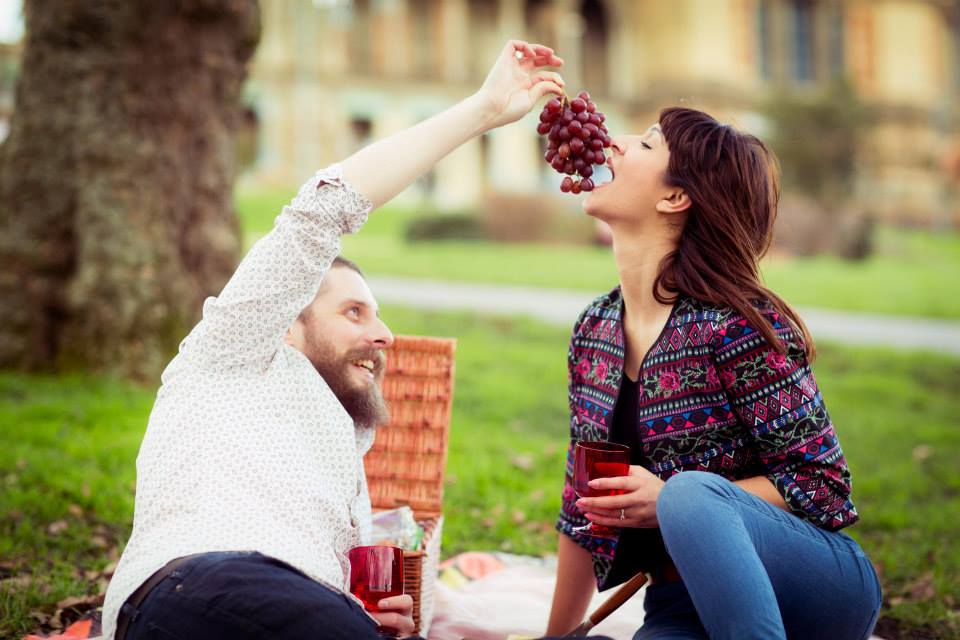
(57, 527)
(80, 603)
(522, 462)
(922, 452)
(17, 582)
(922, 588)
(71, 609)
(43, 619)
(551, 449)
(109, 569)
(99, 541)
(7, 569)
(546, 528)
(538, 527)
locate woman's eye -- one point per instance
(646, 146)
(353, 312)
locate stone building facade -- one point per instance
(332, 74)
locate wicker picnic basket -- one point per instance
(407, 462)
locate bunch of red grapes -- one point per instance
(576, 138)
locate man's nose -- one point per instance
(381, 335)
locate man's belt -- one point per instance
(124, 618)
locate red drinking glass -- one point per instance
(598, 459)
(376, 572)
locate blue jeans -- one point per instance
(753, 571)
(239, 595)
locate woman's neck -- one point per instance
(638, 253)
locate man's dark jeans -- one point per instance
(245, 595)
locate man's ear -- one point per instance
(677, 201)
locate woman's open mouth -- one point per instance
(603, 174)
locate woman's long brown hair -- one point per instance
(732, 180)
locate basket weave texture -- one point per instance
(407, 462)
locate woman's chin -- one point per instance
(592, 204)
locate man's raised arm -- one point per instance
(244, 326)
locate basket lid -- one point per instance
(407, 463)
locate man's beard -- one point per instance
(365, 404)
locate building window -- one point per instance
(764, 40)
(539, 20)
(836, 46)
(955, 47)
(361, 129)
(428, 184)
(358, 39)
(802, 36)
(421, 37)
(596, 40)
(547, 180)
(484, 36)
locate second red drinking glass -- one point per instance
(598, 459)
(376, 572)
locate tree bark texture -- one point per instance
(116, 215)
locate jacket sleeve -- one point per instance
(777, 400)
(570, 515)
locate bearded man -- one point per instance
(250, 481)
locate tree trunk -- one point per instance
(116, 215)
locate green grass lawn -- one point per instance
(68, 446)
(911, 272)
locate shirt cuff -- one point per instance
(327, 191)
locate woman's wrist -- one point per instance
(482, 112)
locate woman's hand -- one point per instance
(517, 81)
(385, 168)
(638, 502)
(396, 614)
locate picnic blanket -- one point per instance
(481, 596)
(488, 596)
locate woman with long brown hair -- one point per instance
(737, 488)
